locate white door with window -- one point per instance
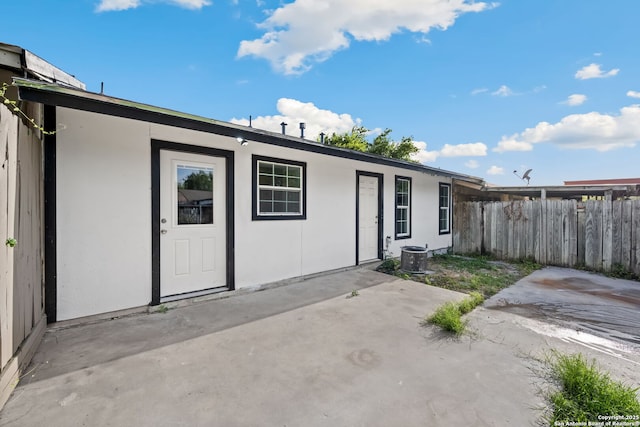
(192, 223)
(367, 218)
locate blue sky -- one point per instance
(484, 88)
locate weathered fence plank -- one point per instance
(626, 231)
(581, 230)
(593, 234)
(616, 232)
(635, 237)
(607, 232)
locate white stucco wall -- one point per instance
(104, 213)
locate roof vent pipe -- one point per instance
(322, 137)
(302, 127)
(284, 125)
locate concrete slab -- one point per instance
(302, 354)
(580, 300)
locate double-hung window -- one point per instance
(279, 189)
(403, 207)
(445, 210)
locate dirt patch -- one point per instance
(465, 274)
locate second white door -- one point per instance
(367, 218)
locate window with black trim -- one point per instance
(403, 207)
(444, 204)
(279, 189)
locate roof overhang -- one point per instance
(562, 191)
(62, 96)
(21, 60)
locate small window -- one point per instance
(278, 189)
(403, 207)
(195, 195)
(445, 211)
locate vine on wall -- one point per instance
(13, 106)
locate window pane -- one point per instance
(280, 195)
(279, 207)
(401, 227)
(266, 195)
(294, 171)
(266, 180)
(266, 168)
(293, 182)
(280, 181)
(293, 207)
(294, 196)
(280, 170)
(444, 219)
(266, 207)
(195, 195)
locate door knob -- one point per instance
(163, 220)
(163, 231)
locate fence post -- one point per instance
(607, 230)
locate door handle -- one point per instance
(163, 231)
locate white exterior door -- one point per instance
(367, 218)
(192, 223)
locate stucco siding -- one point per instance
(104, 212)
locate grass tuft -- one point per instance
(585, 392)
(449, 315)
(469, 303)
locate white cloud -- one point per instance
(511, 144)
(115, 5)
(503, 91)
(595, 131)
(463, 150)
(479, 91)
(294, 112)
(575, 99)
(109, 5)
(495, 170)
(424, 156)
(472, 164)
(475, 149)
(593, 71)
(633, 94)
(304, 32)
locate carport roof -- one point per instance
(566, 191)
(57, 95)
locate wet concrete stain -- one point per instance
(601, 306)
(586, 286)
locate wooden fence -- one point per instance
(598, 234)
(22, 319)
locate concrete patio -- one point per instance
(304, 354)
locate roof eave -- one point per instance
(53, 94)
